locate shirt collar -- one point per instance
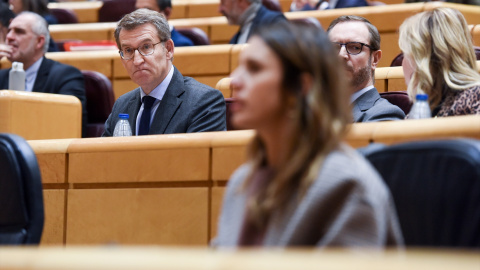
(159, 91)
(357, 94)
(31, 74)
(249, 14)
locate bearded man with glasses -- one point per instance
(358, 44)
(166, 102)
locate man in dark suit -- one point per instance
(165, 102)
(358, 44)
(26, 42)
(165, 7)
(250, 15)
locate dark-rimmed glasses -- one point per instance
(352, 48)
(144, 49)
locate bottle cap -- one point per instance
(17, 65)
(422, 97)
(123, 116)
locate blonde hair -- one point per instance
(440, 44)
(320, 115)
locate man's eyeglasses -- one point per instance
(144, 49)
(352, 48)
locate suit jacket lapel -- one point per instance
(42, 75)
(133, 107)
(364, 102)
(169, 104)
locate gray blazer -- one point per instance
(370, 107)
(347, 205)
(187, 106)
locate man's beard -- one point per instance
(361, 76)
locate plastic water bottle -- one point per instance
(16, 79)
(122, 128)
(420, 108)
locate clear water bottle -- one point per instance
(16, 79)
(420, 108)
(122, 128)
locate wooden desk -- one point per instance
(143, 258)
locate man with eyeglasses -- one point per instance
(358, 44)
(166, 102)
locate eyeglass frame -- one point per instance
(137, 49)
(346, 43)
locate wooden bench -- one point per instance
(387, 18)
(39, 115)
(168, 189)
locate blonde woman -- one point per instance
(301, 186)
(440, 61)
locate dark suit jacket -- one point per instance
(56, 78)
(187, 106)
(370, 107)
(180, 40)
(264, 17)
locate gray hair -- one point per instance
(39, 27)
(140, 17)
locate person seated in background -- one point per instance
(41, 8)
(26, 42)
(166, 102)
(165, 8)
(304, 5)
(6, 16)
(439, 60)
(250, 15)
(358, 45)
(301, 185)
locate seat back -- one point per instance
(21, 194)
(436, 189)
(114, 10)
(64, 16)
(195, 34)
(100, 99)
(399, 98)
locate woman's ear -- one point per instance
(306, 79)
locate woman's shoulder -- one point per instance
(461, 102)
(345, 167)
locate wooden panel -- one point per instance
(229, 152)
(360, 134)
(167, 216)
(54, 228)
(82, 31)
(100, 61)
(86, 11)
(122, 86)
(140, 159)
(37, 116)
(389, 47)
(136, 166)
(205, 8)
(427, 129)
(52, 159)
(476, 35)
(179, 11)
(396, 80)
(211, 81)
(216, 207)
(203, 60)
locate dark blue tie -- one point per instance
(144, 127)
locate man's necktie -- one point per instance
(144, 127)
